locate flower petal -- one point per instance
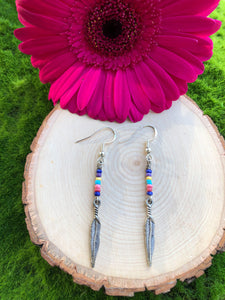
(54, 68)
(168, 85)
(193, 24)
(41, 21)
(57, 84)
(96, 102)
(43, 46)
(66, 81)
(203, 48)
(173, 64)
(68, 2)
(71, 105)
(46, 7)
(196, 64)
(150, 84)
(29, 33)
(134, 114)
(157, 109)
(190, 7)
(108, 102)
(173, 41)
(102, 115)
(139, 98)
(204, 51)
(70, 92)
(87, 87)
(121, 95)
(38, 62)
(181, 84)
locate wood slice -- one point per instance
(189, 211)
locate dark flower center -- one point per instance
(113, 34)
(112, 28)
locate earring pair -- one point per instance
(149, 223)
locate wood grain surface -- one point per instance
(189, 205)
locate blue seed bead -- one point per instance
(148, 181)
(150, 193)
(149, 170)
(98, 182)
(98, 174)
(99, 170)
(97, 193)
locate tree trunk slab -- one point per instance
(188, 210)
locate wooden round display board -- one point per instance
(189, 205)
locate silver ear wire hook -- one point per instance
(155, 134)
(104, 143)
(149, 140)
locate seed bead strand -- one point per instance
(98, 182)
(148, 178)
(149, 182)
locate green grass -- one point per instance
(24, 274)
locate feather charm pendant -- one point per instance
(95, 239)
(149, 238)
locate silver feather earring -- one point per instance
(149, 223)
(96, 224)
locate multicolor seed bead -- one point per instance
(149, 182)
(98, 181)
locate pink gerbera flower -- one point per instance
(114, 59)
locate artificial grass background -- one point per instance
(24, 274)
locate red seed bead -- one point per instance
(149, 187)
